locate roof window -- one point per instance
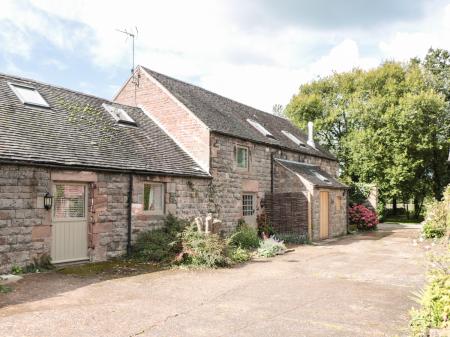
(119, 115)
(28, 95)
(321, 177)
(293, 138)
(260, 128)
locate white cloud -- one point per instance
(415, 41)
(343, 57)
(201, 41)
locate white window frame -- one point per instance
(86, 197)
(247, 159)
(260, 128)
(15, 88)
(245, 205)
(293, 138)
(112, 111)
(321, 177)
(163, 193)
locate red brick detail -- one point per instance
(181, 124)
(41, 232)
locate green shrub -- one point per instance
(4, 289)
(16, 270)
(160, 245)
(435, 224)
(292, 237)
(203, 250)
(271, 247)
(435, 306)
(239, 254)
(157, 245)
(245, 237)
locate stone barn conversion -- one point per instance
(80, 176)
(264, 169)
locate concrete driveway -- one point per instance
(359, 285)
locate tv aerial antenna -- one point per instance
(133, 35)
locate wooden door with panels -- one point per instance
(249, 208)
(69, 222)
(324, 214)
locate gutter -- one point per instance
(130, 205)
(277, 146)
(99, 169)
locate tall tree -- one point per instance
(387, 126)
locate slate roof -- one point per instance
(76, 131)
(229, 117)
(307, 172)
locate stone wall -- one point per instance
(25, 226)
(337, 215)
(230, 182)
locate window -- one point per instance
(338, 203)
(293, 138)
(321, 177)
(119, 114)
(154, 198)
(242, 157)
(28, 95)
(69, 201)
(260, 128)
(247, 205)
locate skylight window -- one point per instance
(293, 138)
(321, 177)
(119, 114)
(28, 95)
(260, 128)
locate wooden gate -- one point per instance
(287, 212)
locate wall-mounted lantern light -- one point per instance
(48, 200)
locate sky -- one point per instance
(257, 52)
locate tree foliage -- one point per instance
(389, 125)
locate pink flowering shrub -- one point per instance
(362, 217)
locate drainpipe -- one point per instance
(130, 204)
(271, 172)
(347, 205)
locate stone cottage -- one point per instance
(80, 176)
(262, 165)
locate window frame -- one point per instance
(128, 121)
(293, 138)
(86, 198)
(161, 211)
(15, 89)
(260, 128)
(247, 150)
(252, 198)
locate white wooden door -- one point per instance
(69, 223)
(249, 208)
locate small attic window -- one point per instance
(28, 95)
(260, 128)
(293, 138)
(119, 115)
(321, 177)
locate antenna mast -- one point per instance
(133, 36)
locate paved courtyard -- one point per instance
(360, 285)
